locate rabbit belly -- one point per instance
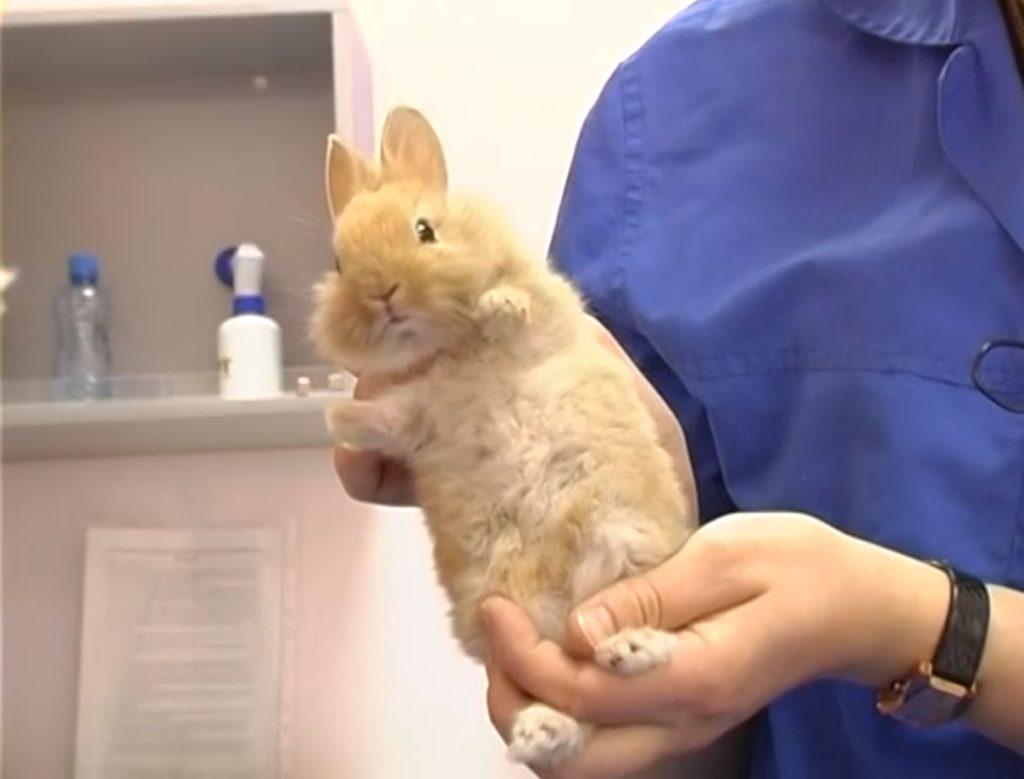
(550, 574)
(544, 497)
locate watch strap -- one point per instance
(958, 655)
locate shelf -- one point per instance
(48, 12)
(37, 431)
(164, 414)
(158, 133)
(178, 51)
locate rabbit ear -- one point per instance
(347, 174)
(410, 150)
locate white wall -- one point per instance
(380, 691)
(506, 84)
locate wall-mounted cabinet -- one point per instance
(154, 135)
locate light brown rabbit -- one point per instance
(532, 456)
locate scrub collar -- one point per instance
(980, 100)
(921, 22)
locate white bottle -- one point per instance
(249, 343)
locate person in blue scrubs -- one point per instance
(804, 221)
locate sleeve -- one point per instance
(591, 244)
(589, 231)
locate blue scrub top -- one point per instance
(803, 218)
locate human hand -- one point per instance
(369, 476)
(761, 603)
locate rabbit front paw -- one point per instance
(635, 650)
(543, 737)
(361, 425)
(502, 310)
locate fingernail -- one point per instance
(596, 624)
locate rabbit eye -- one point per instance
(424, 231)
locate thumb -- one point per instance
(505, 623)
(700, 579)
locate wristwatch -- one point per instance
(941, 689)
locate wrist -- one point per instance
(902, 607)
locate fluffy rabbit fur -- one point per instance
(535, 462)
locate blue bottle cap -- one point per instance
(83, 268)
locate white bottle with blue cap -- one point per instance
(82, 369)
(249, 343)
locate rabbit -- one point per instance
(536, 464)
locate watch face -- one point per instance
(931, 701)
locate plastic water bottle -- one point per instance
(83, 345)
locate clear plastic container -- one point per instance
(83, 363)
